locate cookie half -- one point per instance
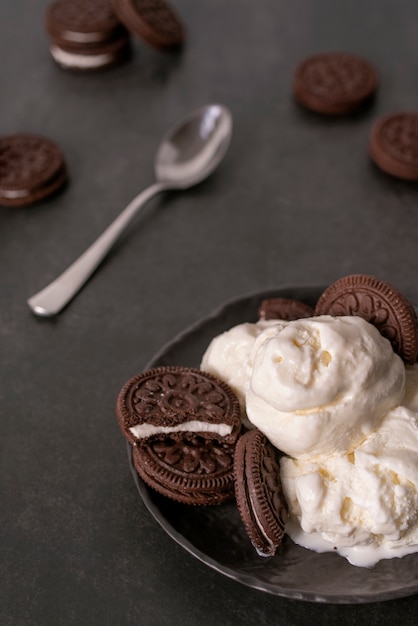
(334, 83)
(284, 309)
(32, 167)
(192, 470)
(379, 303)
(258, 491)
(394, 145)
(153, 21)
(82, 21)
(174, 401)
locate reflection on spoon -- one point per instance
(188, 153)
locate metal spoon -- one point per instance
(188, 153)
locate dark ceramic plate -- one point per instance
(216, 536)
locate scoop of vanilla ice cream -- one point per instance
(227, 354)
(364, 504)
(321, 385)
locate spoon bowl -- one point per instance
(187, 155)
(191, 150)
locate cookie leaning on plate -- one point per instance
(258, 491)
(379, 303)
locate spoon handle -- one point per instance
(53, 298)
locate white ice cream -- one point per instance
(364, 505)
(321, 385)
(332, 394)
(227, 355)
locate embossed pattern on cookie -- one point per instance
(379, 303)
(334, 83)
(154, 21)
(394, 145)
(82, 21)
(192, 470)
(31, 168)
(173, 400)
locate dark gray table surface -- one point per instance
(296, 201)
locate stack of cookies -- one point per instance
(95, 34)
(183, 425)
(86, 35)
(187, 440)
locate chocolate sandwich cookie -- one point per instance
(86, 34)
(394, 145)
(379, 303)
(192, 470)
(31, 168)
(175, 401)
(91, 57)
(258, 491)
(154, 21)
(334, 83)
(284, 309)
(82, 21)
